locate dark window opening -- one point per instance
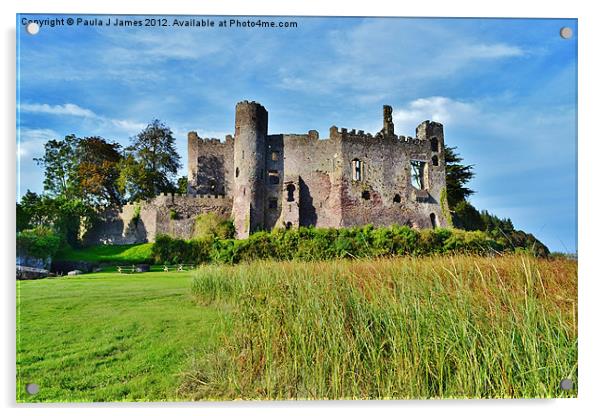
(435, 160)
(273, 177)
(434, 144)
(417, 174)
(290, 191)
(288, 225)
(397, 198)
(433, 220)
(274, 155)
(366, 195)
(272, 203)
(243, 154)
(358, 168)
(237, 172)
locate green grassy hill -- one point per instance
(129, 253)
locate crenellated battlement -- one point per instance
(228, 139)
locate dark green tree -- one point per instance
(59, 162)
(467, 217)
(457, 176)
(150, 163)
(183, 185)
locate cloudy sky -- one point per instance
(505, 90)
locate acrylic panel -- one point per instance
(283, 208)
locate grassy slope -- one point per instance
(128, 253)
(102, 337)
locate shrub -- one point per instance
(212, 225)
(40, 242)
(310, 244)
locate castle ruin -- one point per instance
(264, 181)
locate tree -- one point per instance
(467, 217)
(66, 216)
(150, 163)
(97, 171)
(59, 163)
(183, 185)
(457, 176)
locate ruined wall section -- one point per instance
(170, 214)
(309, 172)
(383, 193)
(210, 165)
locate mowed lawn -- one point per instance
(109, 336)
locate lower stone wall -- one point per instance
(174, 215)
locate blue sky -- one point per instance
(505, 89)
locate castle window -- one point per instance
(417, 174)
(434, 144)
(274, 155)
(435, 160)
(289, 225)
(237, 172)
(397, 199)
(290, 191)
(433, 220)
(272, 203)
(273, 176)
(212, 186)
(366, 195)
(358, 168)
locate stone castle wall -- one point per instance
(264, 181)
(155, 217)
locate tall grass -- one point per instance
(453, 326)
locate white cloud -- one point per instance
(63, 110)
(376, 57)
(74, 110)
(491, 51)
(31, 141)
(441, 109)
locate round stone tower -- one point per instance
(249, 167)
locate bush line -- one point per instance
(315, 244)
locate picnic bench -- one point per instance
(178, 267)
(126, 269)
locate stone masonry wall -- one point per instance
(155, 217)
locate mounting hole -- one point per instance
(32, 28)
(32, 388)
(566, 384)
(566, 33)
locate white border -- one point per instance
(590, 371)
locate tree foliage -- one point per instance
(150, 163)
(97, 171)
(59, 162)
(457, 176)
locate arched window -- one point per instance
(237, 172)
(433, 220)
(397, 199)
(290, 192)
(435, 160)
(434, 144)
(358, 168)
